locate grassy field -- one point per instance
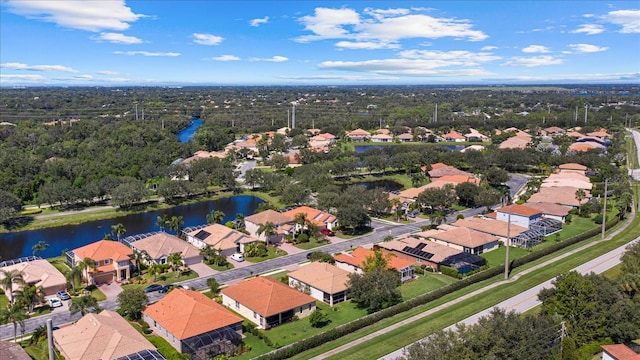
(257, 347)
(272, 253)
(497, 256)
(424, 284)
(312, 244)
(166, 278)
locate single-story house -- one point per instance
(12, 351)
(454, 136)
(359, 135)
(572, 168)
(322, 281)
(521, 215)
(226, 240)
(105, 335)
(382, 138)
(439, 170)
(278, 219)
(551, 210)
(521, 141)
(321, 218)
(37, 272)
(267, 302)
(475, 135)
(406, 137)
(113, 260)
(159, 246)
(354, 261)
(563, 195)
(194, 324)
(492, 227)
(465, 239)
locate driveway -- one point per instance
(202, 269)
(110, 290)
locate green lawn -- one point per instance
(424, 284)
(312, 244)
(220, 268)
(4, 301)
(257, 346)
(497, 256)
(272, 253)
(163, 347)
(278, 274)
(578, 225)
(60, 263)
(99, 295)
(166, 278)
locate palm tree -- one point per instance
(175, 260)
(215, 216)
(10, 277)
(87, 264)
(118, 230)
(580, 195)
(83, 305)
(395, 204)
(74, 276)
(239, 222)
(268, 229)
(13, 313)
(154, 270)
(175, 224)
(40, 246)
(161, 221)
(29, 296)
(624, 203)
(437, 217)
(207, 252)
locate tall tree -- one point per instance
(118, 230)
(39, 247)
(580, 195)
(10, 205)
(84, 305)
(176, 262)
(375, 290)
(131, 302)
(215, 216)
(162, 221)
(13, 313)
(74, 276)
(175, 224)
(268, 229)
(87, 265)
(10, 277)
(239, 222)
(29, 296)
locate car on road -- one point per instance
(63, 295)
(237, 257)
(327, 232)
(166, 288)
(152, 288)
(55, 302)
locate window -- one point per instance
(310, 306)
(237, 304)
(255, 316)
(107, 261)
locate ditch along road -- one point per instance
(520, 303)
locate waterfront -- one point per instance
(186, 134)
(17, 244)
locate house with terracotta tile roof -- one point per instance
(282, 223)
(563, 195)
(618, 352)
(159, 246)
(431, 254)
(439, 170)
(359, 135)
(37, 272)
(571, 179)
(113, 260)
(12, 351)
(551, 210)
(521, 141)
(267, 302)
(105, 335)
(522, 215)
(194, 324)
(354, 262)
(601, 134)
(466, 240)
(500, 229)
(382, 138)
(585, 146)
(572, 168)
(553, 130)
(226, 240)
(323, 281)
(320, 218)
(454, 136)
(475, 135)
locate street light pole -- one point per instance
(604, 210)
(506, 260)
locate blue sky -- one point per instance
(202, 42)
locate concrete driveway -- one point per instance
(110, 290)
(202, 269)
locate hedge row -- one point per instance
(353, 326)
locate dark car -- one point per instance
(166, 288)
(327, 232)
(153, 287)
(63, 295)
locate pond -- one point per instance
(360, 149)
(388, 185)
(17, 244)
(186, 134)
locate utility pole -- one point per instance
(563, 334)
(506, 260)
(436, 114)
(136, 111)
(576, 117)
(293, 115)
(604, 210)
(586, 110)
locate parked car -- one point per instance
(309, 254)
(63, 295)
(166, 288)
(237, 257)
(327, 232)
(55, 302)
(152, 288)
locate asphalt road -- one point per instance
(635, 173)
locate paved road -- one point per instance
(635, 173)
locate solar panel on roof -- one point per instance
(421, 246)
(143, 355)
(419, 253)
(202, 235)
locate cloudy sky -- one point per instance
(186, 42)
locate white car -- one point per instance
(55, 302)
(237, 257)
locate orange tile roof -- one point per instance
(163, 244)
(359, 132)
(465, 237)
(453, 135)
(267, 296)
(104, 249)
(187, 313)
(322, 276)
(621, 352)
(318, 217)
(439, 165)
(359, 255)
(269, 215)
(106, 335)
(221, 237)
(572, 166)
(447, 171)
(517, 209)
(550, 208)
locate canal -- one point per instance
(17, 244)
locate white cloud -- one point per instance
(542, 60)
(593, 77)
(534, 49)
(366, 45)
(587, 48)
(457, 57)
(88, 15)
(207, 39)
(107, 72)
(52, 68)
(10, 77)
(377, 26)
(589, 29)
(337, 77)
(403, 67)
(83, 77)
(225, 58)
(629, 20)
(147, 53)
(117, 38)
(276, 58)
(488, 48)
(258, 22)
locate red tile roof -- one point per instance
(517, 209)
(104, 249)
(267, 296)
(620, 352)
(187, 313)
(358, 256)
(316, 216)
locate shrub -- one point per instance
(449, 271)
(459, 216)
(598, 219)
(302, 238)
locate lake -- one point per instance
(360, 149)
(388, 185)
(186, 134)
(17, 244)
